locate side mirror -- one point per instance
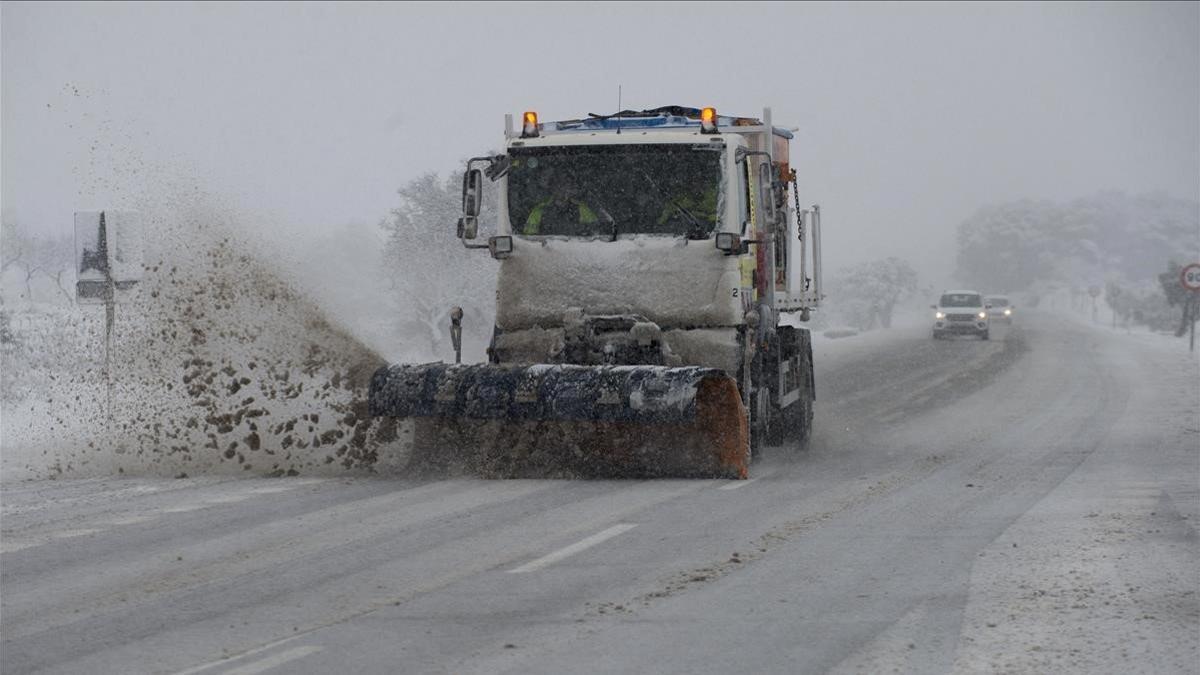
(933, 307)
(729, 242)
(987, 306)
(501, 246)
(472, 193)
(468, 227)
(498, 167)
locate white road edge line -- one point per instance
(127, 520)
(11, 546)
(733, 485)
(237, 657)
(573, 548)
(8, 545)
(274, 660)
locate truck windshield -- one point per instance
(606, 191)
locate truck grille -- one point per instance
(960, 317)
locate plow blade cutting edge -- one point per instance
(568, 421)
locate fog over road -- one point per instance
(1026, 504)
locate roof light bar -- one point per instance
(708, 121)
(529, 126)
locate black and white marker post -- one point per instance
(108, 266)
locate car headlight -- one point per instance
(1008, 312)
(939, 315)
(983, 315)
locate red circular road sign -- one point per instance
(1189, 278)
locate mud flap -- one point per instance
(795, 411)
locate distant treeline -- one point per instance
(1106, 237)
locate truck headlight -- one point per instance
(983, 315)
(1008, 312)
(939, 315)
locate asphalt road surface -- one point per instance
(1026, 504)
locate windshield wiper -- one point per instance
(591, 196)
(611, 221)
(697, 228)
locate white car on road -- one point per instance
(960, 313)
(999, 308)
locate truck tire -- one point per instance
(984, 335)
(791, 426)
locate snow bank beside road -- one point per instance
(1100, 576)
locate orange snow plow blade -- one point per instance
(568, 421)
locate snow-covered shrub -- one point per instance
(866, 295)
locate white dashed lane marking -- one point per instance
(571, 550)
(274, 660)
(227, 660)
(733, 485)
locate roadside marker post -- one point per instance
(108, 267)
(1189, 278)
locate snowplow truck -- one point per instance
(653, 269)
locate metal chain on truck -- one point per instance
(799, 214)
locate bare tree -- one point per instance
(429, 269)
(868, 292)
(12, 247)
(24, 253)
(56, 262)
(34, 256)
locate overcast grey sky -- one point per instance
(910, 115)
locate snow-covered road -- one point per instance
(1027, 504)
